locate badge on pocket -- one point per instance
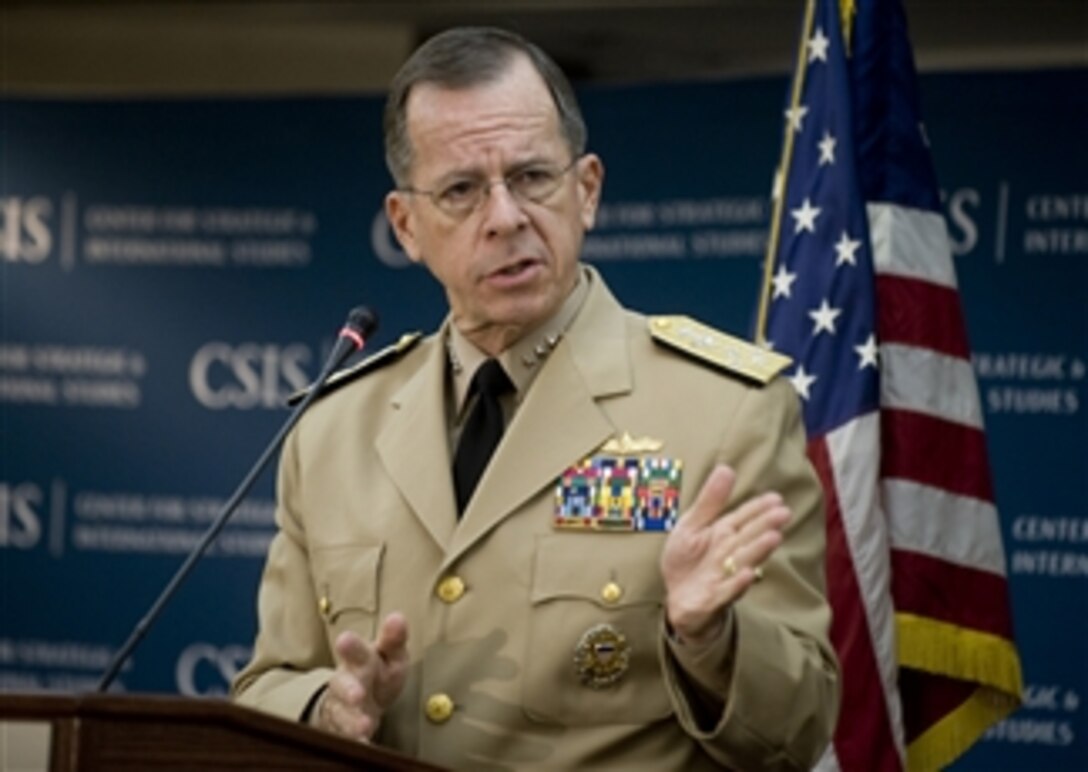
(602, 656)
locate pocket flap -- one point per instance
(582, 565)
(346, 577)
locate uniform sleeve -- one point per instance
(765, 693)
(292, 660)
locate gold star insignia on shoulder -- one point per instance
(379, 359)
(733, 355)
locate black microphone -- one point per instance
(360, 325)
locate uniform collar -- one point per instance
(522, 360)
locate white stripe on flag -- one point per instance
(943, 525)
(829, 762)
(927, 382)
(854, 450)
(912, 243)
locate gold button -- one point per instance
(439, 708)
(324, 606)
(451, 589)
(611, 592)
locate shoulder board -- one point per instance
(725, 352)
(381, 358)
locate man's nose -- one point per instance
(503, 211)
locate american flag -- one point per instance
(860, 290)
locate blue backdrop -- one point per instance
(172, 269)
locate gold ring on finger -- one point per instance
(729, 567)
(758, 571)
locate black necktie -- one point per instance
(482, 431)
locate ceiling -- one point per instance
(259, 46)
(623, 40)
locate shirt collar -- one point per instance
(523, 359)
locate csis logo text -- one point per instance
(206, 670)
(25, 232)
(22, 508)
(248, 376)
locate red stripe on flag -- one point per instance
(920, 313)
(863, 737)
(930, 587)
(935, 452)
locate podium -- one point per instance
(141, 732)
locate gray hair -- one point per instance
(471, 56)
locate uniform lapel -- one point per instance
(560, 420)
(414, 447)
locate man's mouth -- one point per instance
(515, 269)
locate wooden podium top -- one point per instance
(140, 732)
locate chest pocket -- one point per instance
(346, 584)
(595, 618)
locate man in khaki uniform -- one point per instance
(636, 581)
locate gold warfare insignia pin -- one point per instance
(630, 446)
(602, 656)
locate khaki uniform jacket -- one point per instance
(368, 525)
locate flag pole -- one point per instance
(778, 189)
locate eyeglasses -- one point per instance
(533, 183)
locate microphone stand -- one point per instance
(360, 325)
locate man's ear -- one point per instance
(590, 182)
(398, 211)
